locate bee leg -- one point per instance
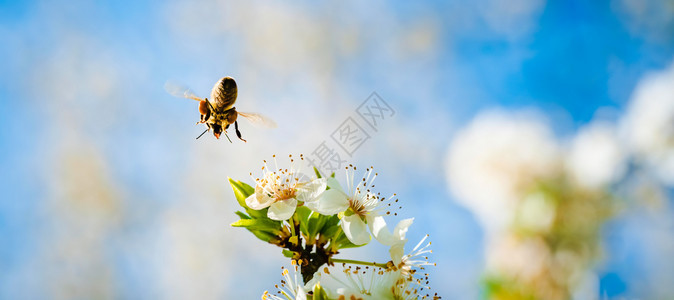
(238, 133)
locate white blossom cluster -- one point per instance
(542, 200)
(313, 217)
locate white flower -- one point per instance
(281, 189)
(596, 158)
(356, 282)
(649, 124)
(409, 264)
(291, 287)
(493, 163)
(366, 283)
(520, 257)
(362, 209)
(400, 279)
(379, 228)
(536, 212)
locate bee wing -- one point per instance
(178, 90)
(258, 120)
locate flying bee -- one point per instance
(218, 113)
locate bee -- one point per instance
(218, 113)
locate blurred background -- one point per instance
(533, 140)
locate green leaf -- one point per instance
(330, 228)
(329, 233)
(312, 224)
(242, 215)
(319, 293)
(332, 220)
(302, 213)
(267, 225)
(343, 242)
(288, 253)
(263, 235)
(241, 192)
(318, 174)
(258, 214)
(348, 244)
(316, 223)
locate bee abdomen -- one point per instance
(224, 94)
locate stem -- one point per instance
(358, 262)
(333, 240)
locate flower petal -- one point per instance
(380, 230)
(401, 228)
(282, 210)
(311, 190)
(259, 200)
(355, 230)
(329, 203)
(312, 283)
(301, 294)
(397, 251)
(333, 184)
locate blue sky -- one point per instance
(85, 80)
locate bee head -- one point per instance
(217, 130)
